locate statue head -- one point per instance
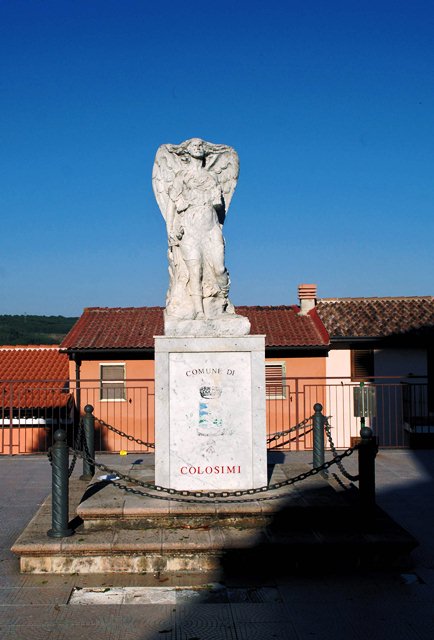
(196, 148)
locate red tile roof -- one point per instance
(377, 317)
(35, 376)
(135, 328)
(284, 327)
(115, 328)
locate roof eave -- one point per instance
(94, 350)
(116, 351)
(377, 341)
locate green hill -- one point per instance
(34, 329)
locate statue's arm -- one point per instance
(176, 204)
(175, 193)
(170, 216)
(174, 232)
(217, 197)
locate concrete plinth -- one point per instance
(123, 532)
(210, 413)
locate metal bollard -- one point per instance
(367, 453)
(89, 439)
(318, 437)
(60, 487)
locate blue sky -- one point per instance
(330, 106)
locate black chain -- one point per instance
(78, 444)
(345, 473)
(185, 494)
(285, 442)
(150, 445)
(301, 425)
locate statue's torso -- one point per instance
(200, 192)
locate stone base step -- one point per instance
(299, 538)
(105, 506)
(111, 509)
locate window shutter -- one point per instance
(112, 385)
(112, 372)
(362, 364)
(275, 374)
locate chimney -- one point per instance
(307, 297)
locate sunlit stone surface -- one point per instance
(193, 183)
(210, 413)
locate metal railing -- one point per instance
(31, 411)
(403, 405)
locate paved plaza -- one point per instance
(396, 602)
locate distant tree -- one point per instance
(27, 329)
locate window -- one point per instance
(275, 380)
(362, 364)
(112, 378)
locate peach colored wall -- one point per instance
(135, 415)
(16, 440)
(339, 400)
(305, 386)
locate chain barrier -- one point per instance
(304, 423)
(78, 444)
(301, 425)
(185, 495)
(345, 473)
(289, 440)
(80, 450)
(150, 445)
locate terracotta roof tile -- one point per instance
(135, 328)
(377, 317)
(284, 327)
(39, 373)
(115, 328)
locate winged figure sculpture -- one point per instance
(194, 183)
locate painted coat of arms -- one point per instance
(210, 420)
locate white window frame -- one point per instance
(270, 395)
(108, 382)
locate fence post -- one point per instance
(89, 440)
(318, 436)
(367, 452)
(60, 487)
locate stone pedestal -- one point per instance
(210, 413)
(224, 325)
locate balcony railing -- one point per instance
(30, 412)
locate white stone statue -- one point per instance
(193, 183)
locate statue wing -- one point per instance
(166, 166)
(223, 162)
